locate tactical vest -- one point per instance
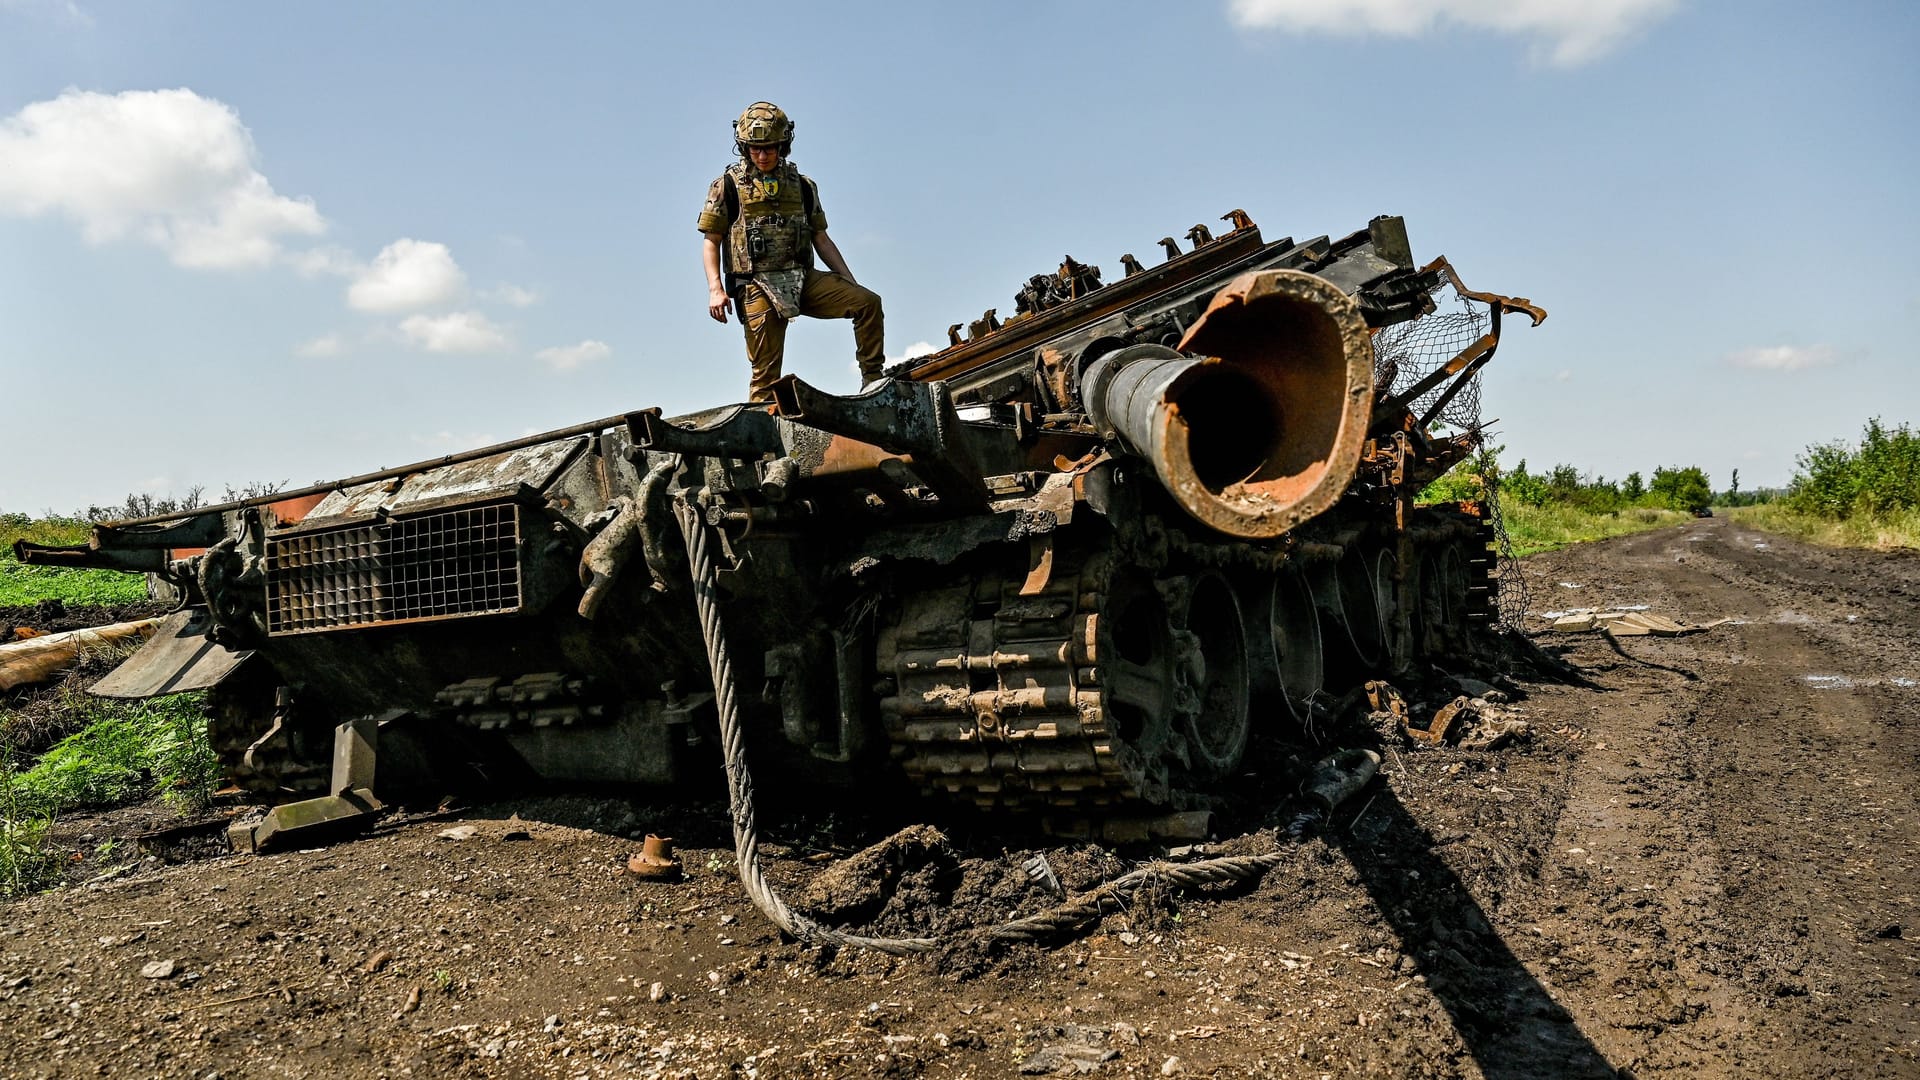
(772, 225)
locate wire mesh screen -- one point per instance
(1408, 352)
(441, 565)
(1405, 353)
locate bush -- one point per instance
(1683, 489)
(1878, 479)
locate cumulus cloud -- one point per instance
(1783, 357)
(408, 275)
(917, 349)
(456, 332)
(323, 346)
(165, 166)
(569, 357)
(511, 295)
(1562, 32)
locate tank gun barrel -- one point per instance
(90, 557)
(1254, 424)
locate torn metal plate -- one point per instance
(177, 658)
(533, 466)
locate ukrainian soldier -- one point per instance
(762, 225)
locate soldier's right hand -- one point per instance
(718, 304)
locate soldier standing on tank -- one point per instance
(762, 223)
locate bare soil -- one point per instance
(1701, 862)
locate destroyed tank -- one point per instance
(1067, 569)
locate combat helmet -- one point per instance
(763, 124)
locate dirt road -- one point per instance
(1701, 863)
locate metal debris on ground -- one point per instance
(1626, 624)
(1335, 779)
(1481, 719)
(655, 861)
(1040, 872)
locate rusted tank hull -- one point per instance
(1071, 568)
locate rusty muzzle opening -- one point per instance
(1255, 423)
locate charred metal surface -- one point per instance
(178, 657)
(743, 431)
(1070, 567)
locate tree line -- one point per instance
(1878, 477)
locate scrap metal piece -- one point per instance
(655, 861)
(351, 808)
(1040, 872)
(1443, 720)
(1338, 776)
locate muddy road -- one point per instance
(1701, 862)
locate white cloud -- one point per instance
(323, 346)
(918, 348)
(456, 332)
(166, 166)
(1563, 32)
(511, 295)
(569, 357)
(408, 275)
(1783, 357)
(1563, 375)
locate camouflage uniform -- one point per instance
(769, 221)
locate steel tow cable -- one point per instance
(746, 835)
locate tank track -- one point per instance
(1025, 704)
(239, 711)
(997, 697)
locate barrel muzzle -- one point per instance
(1255, 424)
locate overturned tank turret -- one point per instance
(1068, 568)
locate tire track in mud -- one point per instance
(1763, 817)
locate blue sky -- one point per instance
(247, 243)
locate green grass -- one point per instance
(127, 750)
(1899, 530)
(23, 586)
(1556, 525)
(116, 752)
(27, 862)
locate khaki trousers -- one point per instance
(825, 296)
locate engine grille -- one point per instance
(443, 565)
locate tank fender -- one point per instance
(177, 658)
